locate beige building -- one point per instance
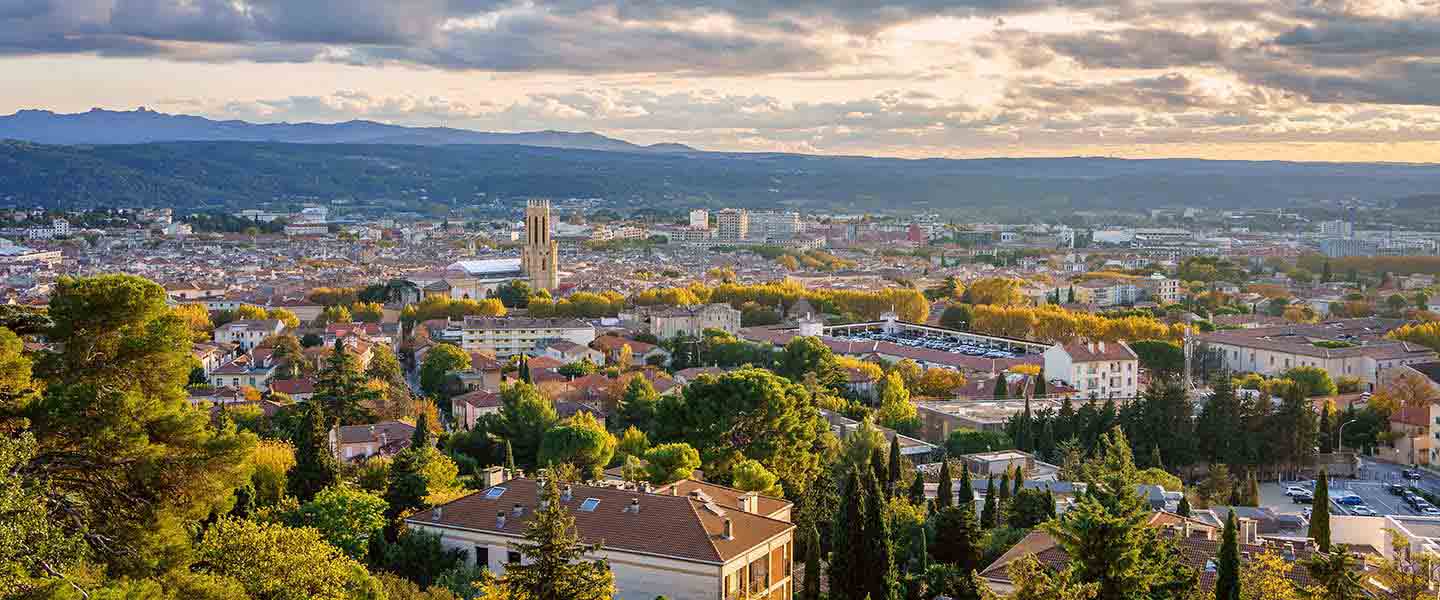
(732, 225)
(504, 337)
(1098, 369)
(694, 541)
(1343, 348)
(693, 320)
(540, 257)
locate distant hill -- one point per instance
(189, 175)
(144, 126)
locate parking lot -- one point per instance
(1363, 497)
(943, 343)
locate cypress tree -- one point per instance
(944, 495)
(1040, 383)
(811, 589)
(917, 490)
(878, 472)
(524, 368)
(421, 438)
(1252, 490)
(848, 544)
(967, 492)
(1004, 491)
(1026, 438)
(1050, 502)
(1184, 508)
(1320, 512)
(315, 465)
(1227, 569)
(892, 483)
(509, 460)
(987, 514)
(1018, 483)
(879, 565)
(1001, 389)
(1155, 460)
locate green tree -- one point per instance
(290, 356)
(345, 516)
(440, 362)
(944, 494)
(668, 463)
(130, 464)
(808, 355)
(315, 465)
(811, 589)
(554, 565)
(1184, 508)
(965, 496)
(633, 442)
(848, 544)
(525, 415)
(1312, 381)
(581, 441)
(1002, 388)
(384, 365)
(638, 404)
(969, 441)
(749, 413)
(264, 557)
(1320, 512)
(881, 582)
(987, 514)
(1337, 575)
(1029, 508)
(33, 544)
(896, 411)
(751, 476)
(340, 387)
(957, 537)
(415, 555)
(406, 487)
(892, 469)
(1227, 571)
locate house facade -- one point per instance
(248, 333)
(1098, 369)
(504, 337)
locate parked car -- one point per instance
(1305, 498)
(1397, 489)
(1430, 511)
(1295, 490)
(1411, 474)
(1351, 500)
(1363, 511)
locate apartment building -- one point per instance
(504, 337)
(248, 333)
(1343, 348)
(1098, 369)
(732, 225)
(690, 541)
(777, 225)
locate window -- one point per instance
(759, 575)
(512, 557)
(589, 505)
(494, 493)
(482, 557)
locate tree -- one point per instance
(1002, 388)
(1160, 357)
(581, 441)
(966, 493)
(892, 469)
(1029, 508)
(554, 565)
(916, 495)
(440, 362)
(1227, 571)
(130, 464)
(334, 314)
(384, 365)
(415, 555)
(1336, 575)
(1408, 576)
(638, 404)
(345, 516)
(956, 316)
(749, 413)
(751, 476)
(957, 537)
(341, 388)
(1320, 512)
(33, 544)
(263, 558)
(896, 411)
(525, 415)
(987, 514)
(879, 563)
(668, 463)
(315, 465)
(971, 441)
(848, 544)
(288, 354)
(1183, 509)
(284, 316)
(1313, 381)
(811, 589)
(944, 495)
(1034, 581)
(808, 355)
(406, 486)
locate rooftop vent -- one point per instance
(500, 519)
(437, 513)
(634, 506)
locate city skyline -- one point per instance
(1346, 81)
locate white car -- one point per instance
(1363, 511)
(1295, 490)
(1430, 511)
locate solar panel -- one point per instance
(494, 493)
(590, 504)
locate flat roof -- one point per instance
(494, 266)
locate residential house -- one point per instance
(467, 408)
(568, 352)
(1344, 348)
(248, 333)
(692, 321)
(358, 442)
(246, 370)
(1096, 369)
(641, 353)
(485, 373)
(677, 546)
(299, 390)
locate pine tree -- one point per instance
(811, 589)
(967, 492)
(987, 514)
(1184, 508)
(556, 564)
(892, 472)
(422, 437)
(917, 490)
(1320, 512)
(848, 544)
(880, 554)
(944, 495)
(341, 388)
(405, 488)
(1227, 569)
(1001, 389)
(957, 538)
(315, 465)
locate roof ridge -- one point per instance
(709, 539)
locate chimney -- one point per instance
(1249, 531)
(1090, 346)
(750, 502)
(492, 476)
(729, 529)
(500, 519)
(634, 506)
(568, 494)
(518, 509)
(437, 513)
(384, 437)
(1101, 345)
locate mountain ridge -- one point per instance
(142, 126)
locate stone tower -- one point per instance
(540, 258)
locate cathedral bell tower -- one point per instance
(540, 258)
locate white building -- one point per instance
(732, 225)
(1099, 369)
(248, 333)
(766, 226)
(699, 219)
(1359, 349)
(508, 336)
(57, 228)
(12, 254)
(1337, 228)
(691, 540)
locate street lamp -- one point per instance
(1340, 442)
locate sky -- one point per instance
(1322, 80)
